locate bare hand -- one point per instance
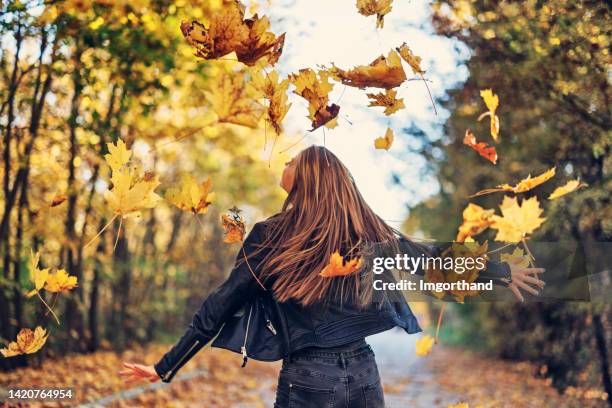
(524, 278)
(136, 372)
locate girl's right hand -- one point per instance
(524, 278)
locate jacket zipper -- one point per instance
(169, 373)
(246, 336)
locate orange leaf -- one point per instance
(483, 149)
(233, 226)
(383, 72)
(337, 266)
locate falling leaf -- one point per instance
(524, 185)
(228, 32)
(315, 88)
(388, 99)
(460, 405)
(569, 187)
(192, 196)
(492, 102)
(518, 257)
(233, 100)
(517, 221)
(28, 342)
(118, 155)
(471, 250)
(275, 92)
(383, 72)
(413, 60)
(483, 149)
(58, 199)
(233, 226)
(378, 7)
(424, 345)
(475, 220)
(37, 276)
(337, 266)
(60, 281)
(385, 141)
(131, 195)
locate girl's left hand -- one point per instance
(136, 372)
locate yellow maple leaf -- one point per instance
(384, 142)
(424, 345)
(130, 195)
(378, 7)
(234, 100)
(28, 342)
(411, 59)
(388, 99)
(569, 187)
(383, 72)
(37, 276)
(492, 102)
(192, 196)
(522, 186)
(517, 221)
(315, 88)
(517, 257)
(475, 220)
(118, 155)
(275, 92)
(60, 281)
(337, 266)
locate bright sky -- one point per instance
(323, 31)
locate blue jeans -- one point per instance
(340, 377)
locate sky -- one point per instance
(323, 31)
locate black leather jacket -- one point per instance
(245, 319)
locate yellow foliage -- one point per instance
(517, 221)
(28, 342)
(567, 188)
(60, 281)
(191, 196)
(388, 99)
(315, 88)
(384, 142)
(424, 345)
(378, 7)
(383, 72)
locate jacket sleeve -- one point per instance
(222, 303)
(494, 271)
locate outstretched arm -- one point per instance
(222, 303)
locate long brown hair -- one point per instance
(323, 213)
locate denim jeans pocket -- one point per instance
(373, 395)
(301, 396)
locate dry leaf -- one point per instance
(424, 345)
(60, 281)
(569, 187)
(524, 185)
(378, 7)
(275, 92)
(518, 257)
(517, 221)
(413, 60)
(475, 220)
(383, 72)
(337, 266)
(37, 276)
(385, 141)
(315, 89)
(234, 101)
(483, 149)
(388, 99)
(28, 342)
(233, 226)
(192, 196)
(492, 102)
